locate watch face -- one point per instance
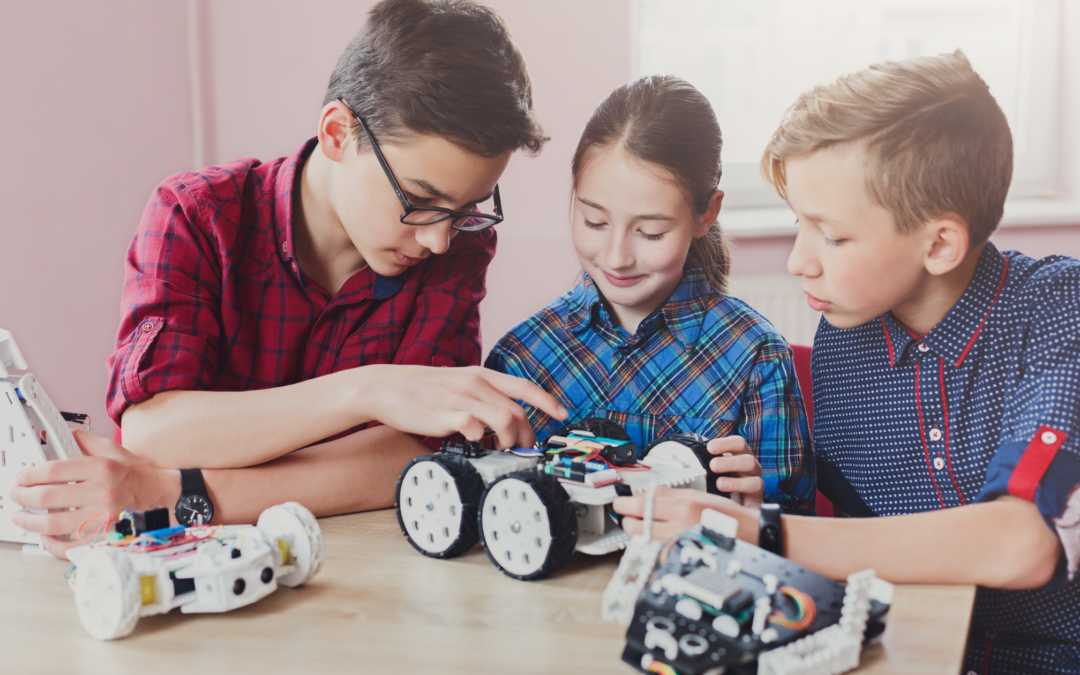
(194, 510)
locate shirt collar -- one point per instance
(284, 187)
(953, 337)
(683, 313)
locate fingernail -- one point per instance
(722, 484)
(717, 465)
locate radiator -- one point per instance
(779, 298)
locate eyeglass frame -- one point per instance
(496, 217)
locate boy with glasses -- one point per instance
(271, 306)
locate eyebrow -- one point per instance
(647, 216)
(439, 194)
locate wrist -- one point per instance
(166, 492)
(356, 396)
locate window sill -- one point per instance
(778, 221)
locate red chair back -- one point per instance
(801, 356)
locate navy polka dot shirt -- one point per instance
(985, 404)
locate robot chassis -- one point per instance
(532, 510)
(32, 431)
(198, 569)
(717, 606)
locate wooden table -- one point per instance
(379, 606)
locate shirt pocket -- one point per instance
(370, 346)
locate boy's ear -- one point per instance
(949, 244)
(711, 213)
(335, 136)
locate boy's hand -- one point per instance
(737, 458)
(441, 401)
(109, 479)
(677, 510)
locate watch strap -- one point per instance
(191, 482)
(770, 530)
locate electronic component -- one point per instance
(711, 607)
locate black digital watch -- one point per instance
(770, 531)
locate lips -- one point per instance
(817, 305)
(407, 260)
(622, 281)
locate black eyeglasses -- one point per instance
(465, 221)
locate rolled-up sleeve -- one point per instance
(1038, 458)
(169, 323)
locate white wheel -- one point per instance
(108, 594)
(516, 523)
(436, 499)
(304, 538)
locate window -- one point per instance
(752, 59)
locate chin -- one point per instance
(844, 321)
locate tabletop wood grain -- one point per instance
(379, 606)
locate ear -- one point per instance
(949, 244)
(335, 133)
(711, 214)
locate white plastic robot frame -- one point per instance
(530, 521)
(32, 431)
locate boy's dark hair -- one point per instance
(936, 141)
(665, 121)
(448, 68)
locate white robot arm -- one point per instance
(32, 431)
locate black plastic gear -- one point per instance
(470, 487)
(699, 445)
(562, 519)
(597, 426)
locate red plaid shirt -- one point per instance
(215, 301)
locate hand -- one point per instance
(109, 479)
(441, 401)
(677, 510)
(738, 459)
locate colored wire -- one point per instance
(79, 532)
(661, 668)
(807, 610)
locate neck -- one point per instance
(629, 318)
(937, 295)
(323, 248)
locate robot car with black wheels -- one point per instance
(533, 508)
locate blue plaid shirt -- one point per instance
(985, 404)
(704, 363)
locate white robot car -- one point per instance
(198, 569)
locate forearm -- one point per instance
(206, 429)
(1000, 544)
(355, 473)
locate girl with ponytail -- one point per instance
(649, 338)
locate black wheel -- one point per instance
(437, 497)
(528, 525)
(698, 444)
(597, 426)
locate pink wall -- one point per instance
(105, 99)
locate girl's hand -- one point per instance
(678, 510)
(738, 459)
(108, 478)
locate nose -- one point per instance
(617, 253)
(803, 261)
(436, 237)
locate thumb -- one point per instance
(96, 446)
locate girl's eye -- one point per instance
(829, 241)
(652, 237)
(593, 226)
(417, 201)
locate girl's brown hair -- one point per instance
(665, 121)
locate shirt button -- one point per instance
(923, 348)
(939, 463)
(294, 267)
(149, 326)
(1048, 437)
(285, 247)
(935, 434)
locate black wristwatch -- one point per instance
(194, 501)
(770, 532)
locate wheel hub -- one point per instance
(430, 506)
